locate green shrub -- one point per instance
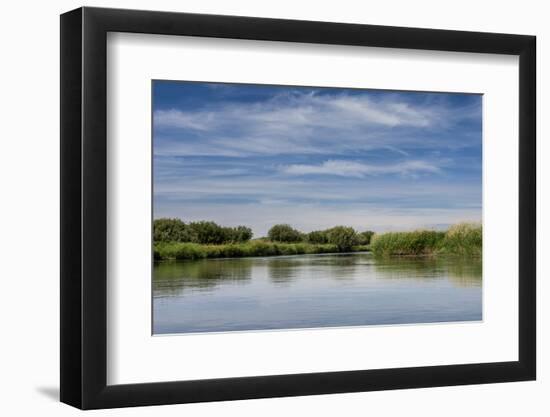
(213, 241)
(240, 233)
(345, 238)
(172, 230)
(284, 233)
(209, 232)
(204, 232)
(364, 238)
(317, 237)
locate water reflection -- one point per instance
(308, 291)
(460, 271)
(175, 277)
(171, 277)
(282, 271)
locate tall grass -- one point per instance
(460, 239)
(418, 242)
(180, 250)
(463, 239)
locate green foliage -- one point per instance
(345, 238)
(463, 239)
(209, 232)
(284, 233)
(364, 238)
(183, 250)
(460, 239)
(179, 250)
(317, 236)
(240, 234)
(174, 230)
(418, 242)
(174, 239)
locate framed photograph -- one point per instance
(258, 208)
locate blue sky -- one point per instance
(259, 155)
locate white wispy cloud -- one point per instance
(331, 190)
(359, 170)
(302, 110)
(318, 158)
(300, 123)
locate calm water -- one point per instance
(306, 291)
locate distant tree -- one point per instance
(209, 232)
(317, 237)
(237, 234)
(172, 230)
(343, 237)
(284, 233)
(242, 234)
(205, 232)
(364, 238)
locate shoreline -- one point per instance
(462, 239)
(357, 252)
(166, 251)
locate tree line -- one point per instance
(342, 236)
(203, 232)
(208, 233)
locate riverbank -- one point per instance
(464, 239)
(254, 248)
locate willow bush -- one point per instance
(204, 232)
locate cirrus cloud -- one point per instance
(359, 170)
(258, 155)
(307, 123)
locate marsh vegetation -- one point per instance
(463, 239)
(175, 239)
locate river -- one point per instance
(308, 291)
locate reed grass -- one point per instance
(184, 250)
(464, 239)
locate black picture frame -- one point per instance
(84, 207)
